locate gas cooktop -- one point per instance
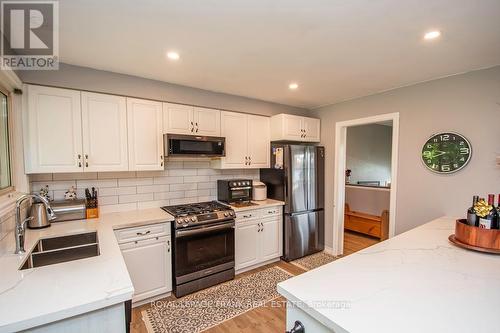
(190, 215)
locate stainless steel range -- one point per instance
(203, 245)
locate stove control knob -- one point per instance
(193, 219)
(179, 221)
(226, 214)
(231, 213)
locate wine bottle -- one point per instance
(472, 218)
(490, 221)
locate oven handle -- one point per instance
(240, 188)
(186, 233)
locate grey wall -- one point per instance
(83, 78)
(368, 152)
(468, 104)
(367, 200)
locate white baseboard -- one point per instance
(329, 250)
(249, 268)
(150, 299)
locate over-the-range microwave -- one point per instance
(193, 145)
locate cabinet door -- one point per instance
(104, 125)
(271, 243)
(292, 127)
(312, 129)
(145, 135)
(246, 244)
(53, 139)
(259, 139)
(207, 121)
(149, 265)
(178, 119)
(234, 129)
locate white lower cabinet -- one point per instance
(258, 237)
(148, 260)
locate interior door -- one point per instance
(54, 137)
(304, 234)
(297, 177)
(259, 141)
(234, 129)
(145, 134)
(104, 125)
(178, 119)
(206, 121)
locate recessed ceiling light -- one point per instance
(432, 34)
(293, 86)
(173, 55)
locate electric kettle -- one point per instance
(40, 218)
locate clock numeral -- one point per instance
(455, 165)
(429, 161)
(427, 154)
(462, 143)
(444, 137)
(462, 159)
(445, 168)
(464, 150)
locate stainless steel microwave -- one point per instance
(193, 145)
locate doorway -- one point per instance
(341, 175)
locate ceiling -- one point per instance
(334, 49)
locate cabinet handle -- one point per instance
(247, 216)
(168, 246)
(196, 127)
(246, 160)
(143, 233)
(192, 127)
(79, 160)
(161, 158)
(86, 160)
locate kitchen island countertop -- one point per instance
(415, 282)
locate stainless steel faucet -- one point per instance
(20, 228)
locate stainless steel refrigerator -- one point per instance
(296, 177)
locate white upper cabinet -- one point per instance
(234, 129)
(104, 124)
(295, 128)
(145, 134)
(206, 121)
(53, 130)
(189, 120)
(178, 119)
(247, 141)
(259, 141)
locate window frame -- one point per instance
(10, 126)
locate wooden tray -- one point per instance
(476, 239)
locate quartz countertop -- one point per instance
(259, 204)
(41, 295)
(414, 282)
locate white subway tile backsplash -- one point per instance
(183, 172)
(99, 183)
(135, 197)
(196, 179)
(168, 180)
(117, 190)
(182, 182)
(168, 195)
(153, 188)
(116, 175)
(183, 187)
(135, 181)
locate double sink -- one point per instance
(49, 251)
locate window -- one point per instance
(5, 172)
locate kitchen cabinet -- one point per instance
(52, 130)
(258, 237)
(145, 134)
(189, 120)
(148, 259)
(295, 128)
(104, 125)
(247, 141)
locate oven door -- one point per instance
(243, 193)
(203, 251)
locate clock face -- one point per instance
(446, 152)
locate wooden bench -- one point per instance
(372, 225)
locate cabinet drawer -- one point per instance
(247, 215)
(142, 232)
(271, 211)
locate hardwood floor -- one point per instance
(271, 317)
(354, 242)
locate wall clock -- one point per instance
(446, 152)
